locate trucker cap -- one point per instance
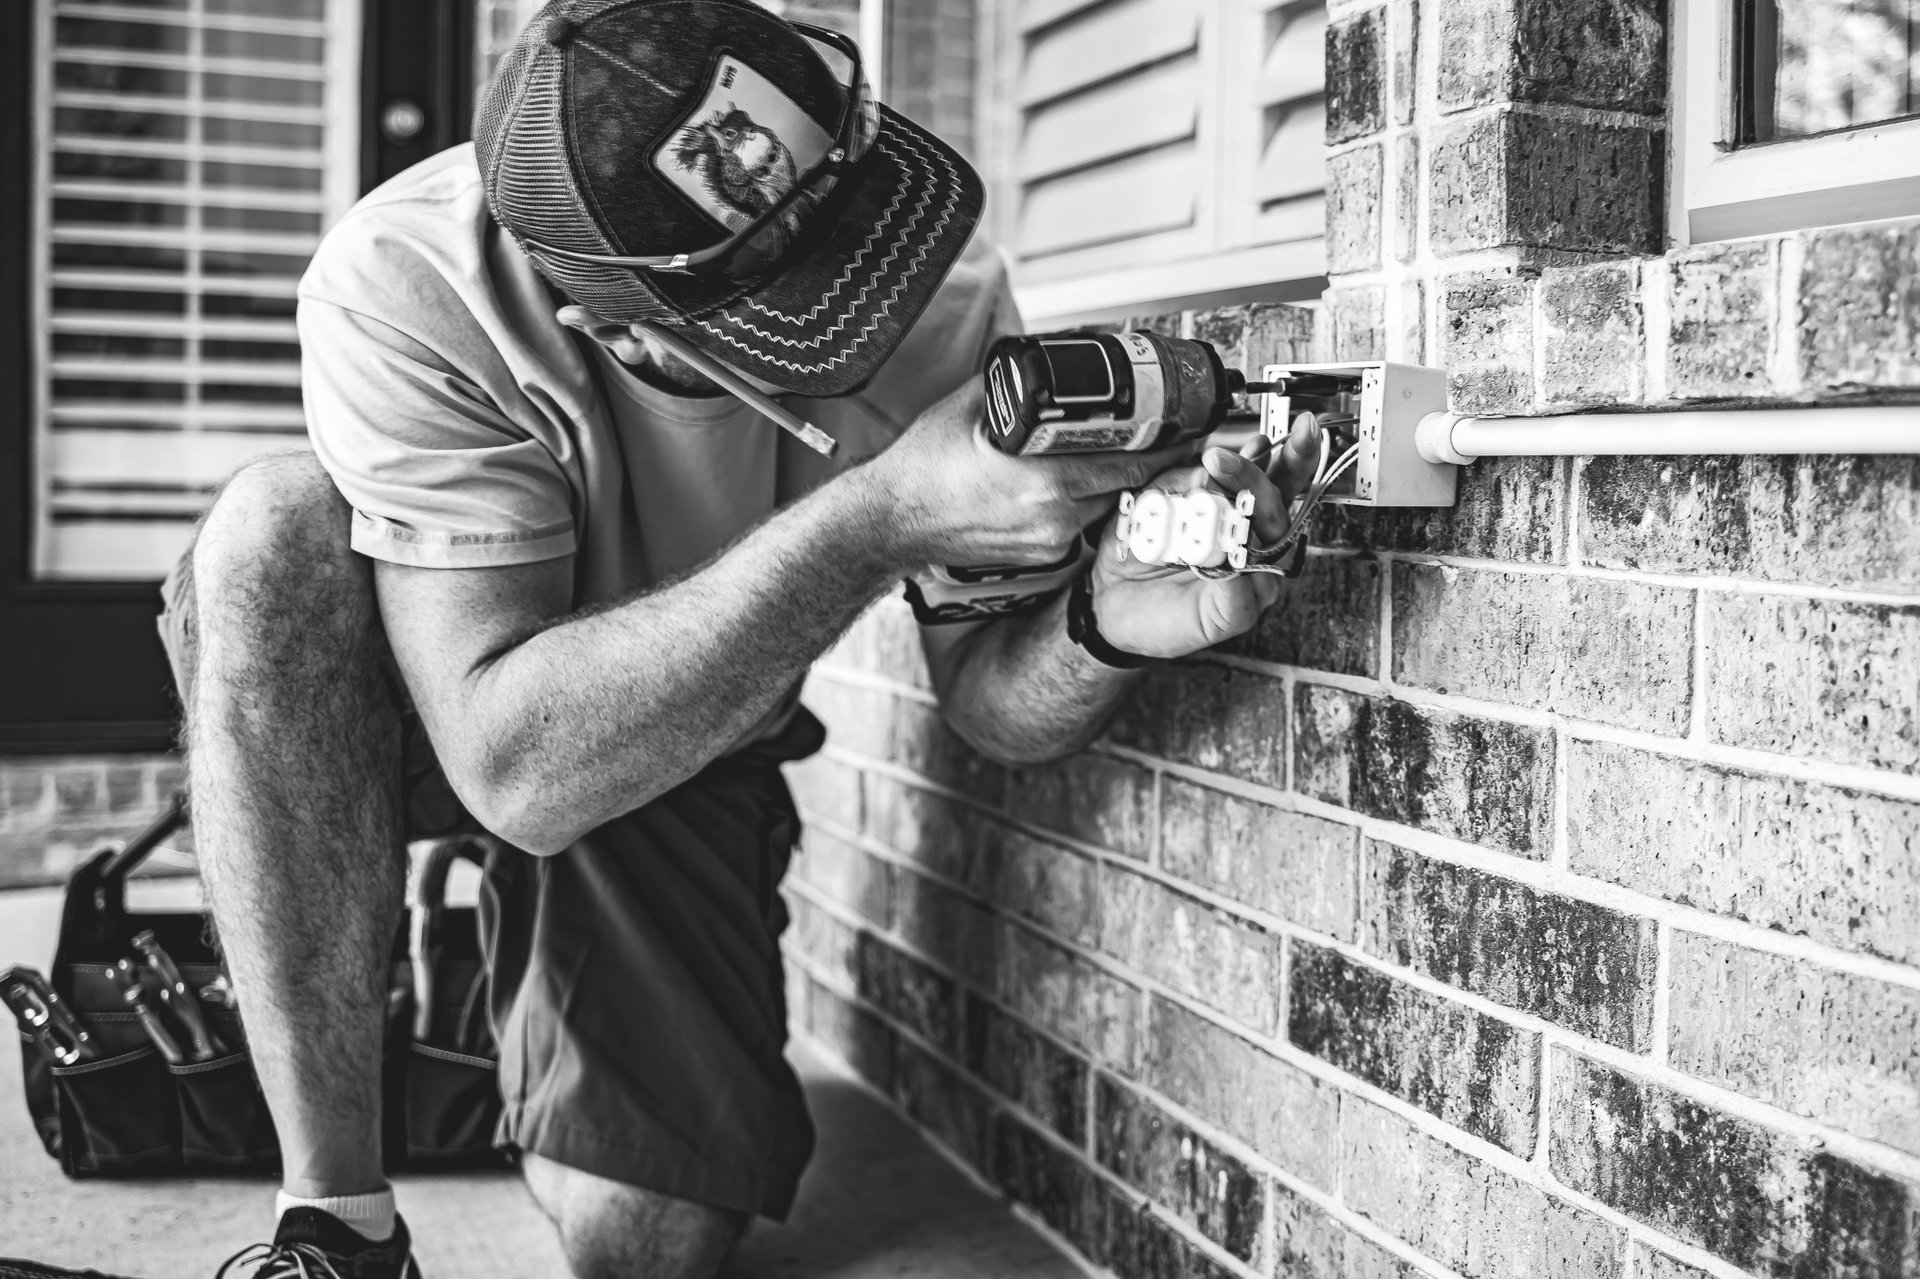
(658, 128)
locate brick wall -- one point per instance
(1536, 892)
(1497, 205)
(55, 811)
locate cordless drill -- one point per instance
(1087, 392)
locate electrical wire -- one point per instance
(1272, 559)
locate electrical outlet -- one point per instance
(1380, 405)
(1200, 529)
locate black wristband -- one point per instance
(1084, 630)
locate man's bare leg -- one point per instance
(611, 1230)
(294, 772)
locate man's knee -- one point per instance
(611, 1230)
(276, 544)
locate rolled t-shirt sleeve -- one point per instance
(437, 475)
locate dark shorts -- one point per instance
(637, 990)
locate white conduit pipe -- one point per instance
(1875, 428)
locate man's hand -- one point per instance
(945, 495)
(1165, 610)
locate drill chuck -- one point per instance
(1087, 392)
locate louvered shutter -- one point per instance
(1139, 138)
(192, 151)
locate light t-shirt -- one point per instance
(468, 428)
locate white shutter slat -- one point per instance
(168, 356)
(1155, 107)
(1111, 41)
(1295, 64)
(1292, 163)
(1135, 197)
(1035, 14)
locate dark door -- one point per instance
(182, 171)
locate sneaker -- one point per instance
(311, 1244)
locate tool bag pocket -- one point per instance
(224, 1122)
(453, 1103)
(117, 1116)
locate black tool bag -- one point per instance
(128, 1113)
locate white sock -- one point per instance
(371, 1214)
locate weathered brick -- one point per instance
(1517, 179)
(946, 926)
(940, 1100)
(1859, 299)
(942, 834)
(1032, 1170)
(832, 946)
(1328, 619)
(1413, 319)
(1486, 323)
(1355, 320)
(1289, 864)
(828, 788)
(1762, 1200)
(886, 641)
(1839, 865)
(1356, 76)
(1594, 53)
(1091, 798)
(1049, 986)
(1570, 962)
(1178, 1169)
(1403, 36)
(1191, 947)
(1479, 780)
(861, 1039)
(1279, 1110)
(1474, 1071)
(1836, 680)
(1277, 334)
(920, 740)
(858, 719)
(1027, 1068)
(1042, 881)
(1721, 297)
(849, 875)
(1463, 1212)
(1309, 1244)
(1511, 508)
(909, 991)
(1211, 717)
(126, 788)
(1835, 521)
(78, 790)
(1595, 344)
(1135, 1243)
(1593, 648)
(1648, 1264)
(1355, 209)
(1405, 222)
(1825, 1044)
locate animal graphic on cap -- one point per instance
(743, 165)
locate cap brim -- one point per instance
(827, 322)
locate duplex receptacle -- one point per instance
(1375, 407)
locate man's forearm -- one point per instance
(595, 715)
(1022, 691)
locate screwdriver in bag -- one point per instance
(178, 998)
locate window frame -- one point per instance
(1720, 192)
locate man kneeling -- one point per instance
(545, 580)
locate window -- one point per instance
(1795, 113)
(188, 155)
(1157, 152)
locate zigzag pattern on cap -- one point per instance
(954, 186)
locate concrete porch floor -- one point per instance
(877, 1202)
